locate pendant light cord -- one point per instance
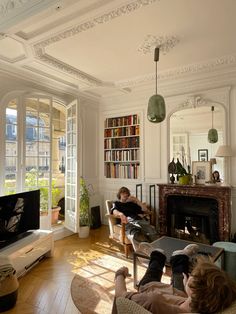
(156, 58)
(212, 109)
(156, 77)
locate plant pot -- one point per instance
(185, 180)
(84, 231)
(55, 214)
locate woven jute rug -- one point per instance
(92, 288)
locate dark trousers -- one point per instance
(179, 265)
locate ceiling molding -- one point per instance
(66, 68)
(14, 11)
(49, 76)
(203, 67)
(165, 43)
(39, 48)
(104, 18)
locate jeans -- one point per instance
(141, 230)
(179, 264)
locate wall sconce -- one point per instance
(212, 133)
(156, 105)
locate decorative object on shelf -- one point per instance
(203, 155)
(202, 171)
(216, 176)
(84, 214)
(183, 176)
(212, 133)
(213, 162)
(156, 105)
(172, 170)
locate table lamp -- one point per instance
(226, 152)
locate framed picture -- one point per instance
(202, 171)
(203, 155)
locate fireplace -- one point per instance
(197, 213)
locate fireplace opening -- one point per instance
(193, 218)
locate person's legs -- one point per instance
(148, 230)
(180, 264)
(155, 267)
(135, 234)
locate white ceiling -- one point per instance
(98, 44)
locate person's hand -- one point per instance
(185, 279)
(132, 199)
(124, 271)
(123, 218)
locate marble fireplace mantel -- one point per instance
(222, 194)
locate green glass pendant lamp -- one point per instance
(212, 133)
(156, 105)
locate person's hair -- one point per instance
(123, 189)
(212, 289)
(218, 175)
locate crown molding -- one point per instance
(39, 48)
(14, 11)
(177, 73)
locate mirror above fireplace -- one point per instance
(189, 124)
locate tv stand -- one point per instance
(28, 251)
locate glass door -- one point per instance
(72, 169)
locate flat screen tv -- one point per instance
(19, 213)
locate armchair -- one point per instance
(127, 306)
(117, 230)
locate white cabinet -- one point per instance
(26, 252)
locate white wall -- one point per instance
(155, 137)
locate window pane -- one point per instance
(31, 133)
(11, 148)
(44, 164)
(10, 164)
(44, 134)
(31, 118)
(31, 149)
(31, 163)
(31, 179)
(44, 149)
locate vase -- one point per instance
(55, 214)
(185, 180)
(84, 231)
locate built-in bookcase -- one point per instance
(122, 147)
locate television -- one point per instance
(19, 213)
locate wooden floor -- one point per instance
(46, 288)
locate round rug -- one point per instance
(90, 297)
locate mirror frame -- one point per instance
(220, 99)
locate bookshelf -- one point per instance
(122, 147)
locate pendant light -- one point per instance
(212, 133)
(156, 105)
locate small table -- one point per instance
(169, 245)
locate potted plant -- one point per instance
(55, 199)
(84, 214)
(31, 181)
(183, 176)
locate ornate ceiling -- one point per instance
(100, 46)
